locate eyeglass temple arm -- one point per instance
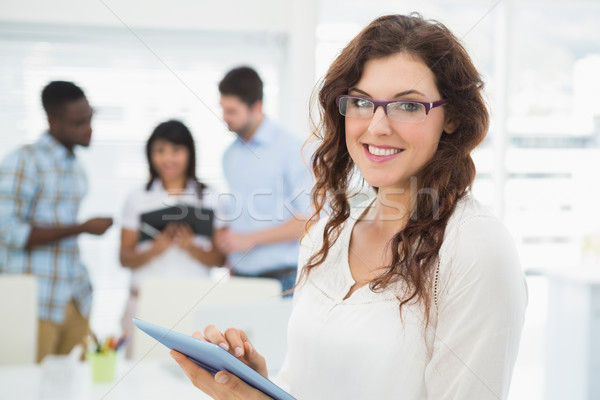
(435, 104)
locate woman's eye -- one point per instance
(362, 103)
(411, 107)
(407, 106)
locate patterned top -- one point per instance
(42, 185)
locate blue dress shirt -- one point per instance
(269, 183)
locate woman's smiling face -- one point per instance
(170, 160)
(388, 153)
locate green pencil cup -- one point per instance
(103, 365)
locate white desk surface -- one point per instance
(146, 380)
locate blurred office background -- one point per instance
(142, 62)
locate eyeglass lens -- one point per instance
(400, 111)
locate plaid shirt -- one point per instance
(42, 185)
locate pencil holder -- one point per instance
(103, 365)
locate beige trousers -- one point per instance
(61, 338)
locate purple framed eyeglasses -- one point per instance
(410, 111)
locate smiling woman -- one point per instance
(416, 293)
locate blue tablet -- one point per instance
(212, 358)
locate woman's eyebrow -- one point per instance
(399, 95)
(412, 91)
(353, 89)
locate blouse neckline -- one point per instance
(363, 294)
(349, 279)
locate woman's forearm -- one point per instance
(134, 259)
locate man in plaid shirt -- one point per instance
(41, 187)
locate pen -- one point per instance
(95, 339)
(113, 343)
(121, 341)
(105, 346)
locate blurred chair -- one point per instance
(19, 320)
(173, 302)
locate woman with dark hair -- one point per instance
(176, 251)
(416, 293)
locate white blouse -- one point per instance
(174, 261)
(361, 348)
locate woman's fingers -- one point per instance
(186, 229)
(200, 377)
(236, 342)
(241, 347)
(170, 229)
(183, 230)
(199, 335)
(238, 389)
(222, 386)
(255, 360)
(213, 335)
(236, 338)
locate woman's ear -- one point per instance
(450, 126)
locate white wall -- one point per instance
(231, 15)
(295, 18)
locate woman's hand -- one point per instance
(164, 240)
(184, 236)
(225, 385)
(133, 258)
(236, 342)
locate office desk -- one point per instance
(146, 380)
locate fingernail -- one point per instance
(222, 378)
(238, 352)
(224, 345)
(250, 349)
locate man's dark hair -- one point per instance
(57, 93)
(244, 83)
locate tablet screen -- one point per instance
(201, 220)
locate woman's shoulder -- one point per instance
(314, 233)
(478, 258)
(475, 232)
(470, 213)
(143, 198)
(203, 189)
(137, 191)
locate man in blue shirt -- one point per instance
(41, 187)
(269, 182)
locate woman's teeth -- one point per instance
(378, 151)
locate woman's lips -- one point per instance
(381, 154)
